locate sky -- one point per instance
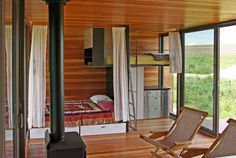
(206, 37)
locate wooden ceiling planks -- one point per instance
(141, 15)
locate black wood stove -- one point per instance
(59, 144)
(71, 147)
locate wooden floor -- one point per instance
(120, 145)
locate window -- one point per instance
(227, 73)
(199, 73)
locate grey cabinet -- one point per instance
(156, 102)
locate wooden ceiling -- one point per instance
(146, 17)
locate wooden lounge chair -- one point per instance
(180, 134)
(224, 145)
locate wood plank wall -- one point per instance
(81, 81)
(145, 44)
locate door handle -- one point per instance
(214, 92)
(21, 123)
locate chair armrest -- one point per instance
(172, 153)
(180, 145)
(193, 151)
(155, 135)
(183, 143)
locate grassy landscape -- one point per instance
(227, 99)
(197, 64)
(198, 90)
(198, 93)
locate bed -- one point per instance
(86, 118)
(85, 112)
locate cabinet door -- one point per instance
(154, 112)
(165, 109)
(88, 38)
(152, 101)
(152, 104)
(151, 93)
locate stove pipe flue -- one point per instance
(56, 63)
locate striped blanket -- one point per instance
(83, 112)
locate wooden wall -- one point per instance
(147, 43)
(81, 81)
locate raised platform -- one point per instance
(84, 130)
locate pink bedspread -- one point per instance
(106, 105)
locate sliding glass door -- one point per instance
(227, 95)
(209, 77)
(12, 134)
(199, 73)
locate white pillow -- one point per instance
(99, 98)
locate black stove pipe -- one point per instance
(56, 63)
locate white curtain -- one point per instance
(175, 52)
(37, 77)
(8, 45)
(120, 74)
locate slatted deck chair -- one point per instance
(224, 145)
(180, 134)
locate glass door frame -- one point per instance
(17, 52)
(2, 46)
(219, 26)
(215, 91)
(18, 20)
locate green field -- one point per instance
(206, 61)
(198, 90)
(227, 99)
(198, 93)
